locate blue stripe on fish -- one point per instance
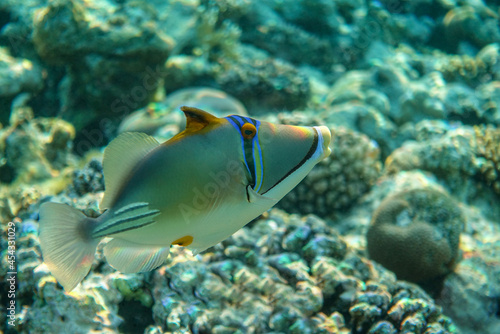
(233, 122)
(252, 152)
(233, 119)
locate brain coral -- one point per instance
(416, 234)
(339, 180)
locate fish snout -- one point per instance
(326, 137)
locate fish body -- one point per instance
(194, 190)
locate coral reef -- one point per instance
(34, 148)
(355, 103)
(339, 180)
(458, 22)
(416, 234)
(402, 87)
(112, 54)
(17, 75)
(35, 159)
(284, 27)
(253, 282)
(260, 82)
(488, 155)
(57, 25)
(469, 294)
(453, 154)
(90, 179)
(414, 83)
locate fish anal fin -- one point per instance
(129, 257)
(120, 158)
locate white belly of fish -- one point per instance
(207, 227)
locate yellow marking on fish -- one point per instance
(184, 241)
(197, 122)
(248, 131)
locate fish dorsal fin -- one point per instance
(120, 157)
(197, 119)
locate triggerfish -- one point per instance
(194, 190)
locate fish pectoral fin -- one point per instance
(129, 217)
(120, 158)
(254, 197)
(197, 251)
(129, 257)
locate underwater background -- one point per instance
(398, 231)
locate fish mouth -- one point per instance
(325, 138)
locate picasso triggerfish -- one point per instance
(194, 190)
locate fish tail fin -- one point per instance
(68, 247)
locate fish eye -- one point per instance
(248, 130)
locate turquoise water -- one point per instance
(397, 230)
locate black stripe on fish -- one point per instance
(253, 121)
(137, 226)
(237, 120)
(309, 154)
(130, 207)
(248, 193)
(248, 147)
(109, 228)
